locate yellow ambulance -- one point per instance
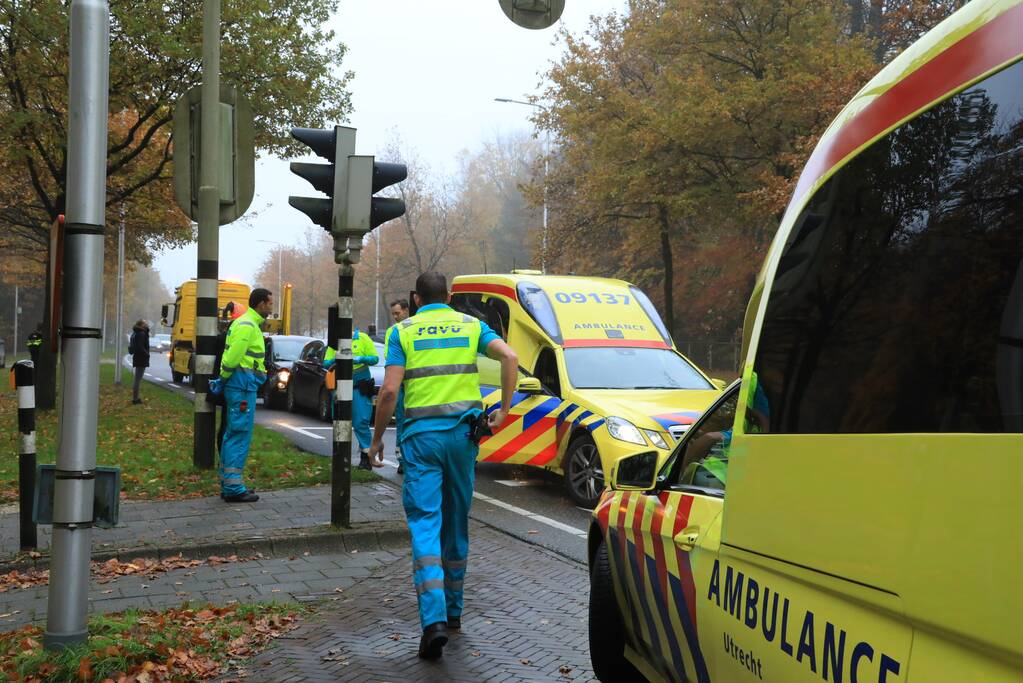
(850, 511)
(601, 376)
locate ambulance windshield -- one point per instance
(613, 367)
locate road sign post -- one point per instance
(81, 327)
(23, 380)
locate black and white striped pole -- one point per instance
(341, 455)
(23, 379)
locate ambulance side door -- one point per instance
(529, 433)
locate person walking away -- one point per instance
(138, 347)
(399, 312)
(242, 373)
(364, 354)
(34, 343)
(433, 356)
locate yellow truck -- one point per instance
(181, 319)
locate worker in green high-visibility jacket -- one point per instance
(364, 354)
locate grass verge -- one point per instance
(185, 644)
(152, 444)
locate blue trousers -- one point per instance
(399, 417)
(362, 409)
(437, 494)
(240, 396)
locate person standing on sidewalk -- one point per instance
(364, 354)
(34, 344)
(399, 312)
(242, 373)
(432, 355)
(138, 347)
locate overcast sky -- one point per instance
(429, 75)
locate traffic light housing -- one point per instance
(349, 181)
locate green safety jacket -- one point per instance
(362, 347)
(244, 348)
(441, 376)
(34, 340)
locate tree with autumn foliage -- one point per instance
(681, 129)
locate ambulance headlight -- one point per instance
(623, 430)
(656, 438)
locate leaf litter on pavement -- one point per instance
(181, 644)
(105, 572)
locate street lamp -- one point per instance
(280, 280)
(546, 157)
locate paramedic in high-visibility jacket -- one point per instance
(364, 354)
(432, 356)
(242, 373)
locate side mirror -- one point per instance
(635, 472)
(163, 315)
(719, 383)
(529, 385)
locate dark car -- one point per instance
(282, 352)
(306, 388)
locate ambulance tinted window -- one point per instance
(898, 303)
(536, 303)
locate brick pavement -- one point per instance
(186, 522)
(525, 620)
(301, 578)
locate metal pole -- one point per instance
(207, 266)
(14, 346)
(81, 332)
(280, 283)
(543, 245)
(119, 323)
(376, 298)
(341, 459)
(24, 382)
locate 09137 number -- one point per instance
(595, 297)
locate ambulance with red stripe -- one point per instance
(850, 510)
(601, 376)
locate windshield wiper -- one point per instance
(658, 387)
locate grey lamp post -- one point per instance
(546, 157)
(280, 281)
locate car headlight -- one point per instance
(656, 438)
(623, 430)
(282, 378)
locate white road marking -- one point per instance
(517, 482)
(154, 378)
(532, 515)
(304, 432)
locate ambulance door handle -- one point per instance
(686, 539)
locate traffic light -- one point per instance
(350, 181)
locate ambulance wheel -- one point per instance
(607, 630)
(177, 377)
(289, 399)
(584, 478)
(323, 409)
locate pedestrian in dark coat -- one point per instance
(138, 347)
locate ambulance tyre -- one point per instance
(584, 478)
(607, 632)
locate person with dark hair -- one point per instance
(242, 373)
(138, 347)
(432, 356)
(399, 312)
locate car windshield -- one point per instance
(163, 337)
(288, 349)
(617, 367)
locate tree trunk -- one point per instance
(669, 269)
(856, 22)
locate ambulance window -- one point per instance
(546, 370)
(897, 305)
(651, 312)
(701, 459)
(469, 304)
(539, 308)
(497, 314)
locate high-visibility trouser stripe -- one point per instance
(456, 408)
(429, 585)
(454, 565)
(452, 585)
(438, 370)
(425, 561)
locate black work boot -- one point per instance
(435, 637)
(454, 623)
(364, 461)
(247, 497)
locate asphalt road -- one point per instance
(526, 502)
